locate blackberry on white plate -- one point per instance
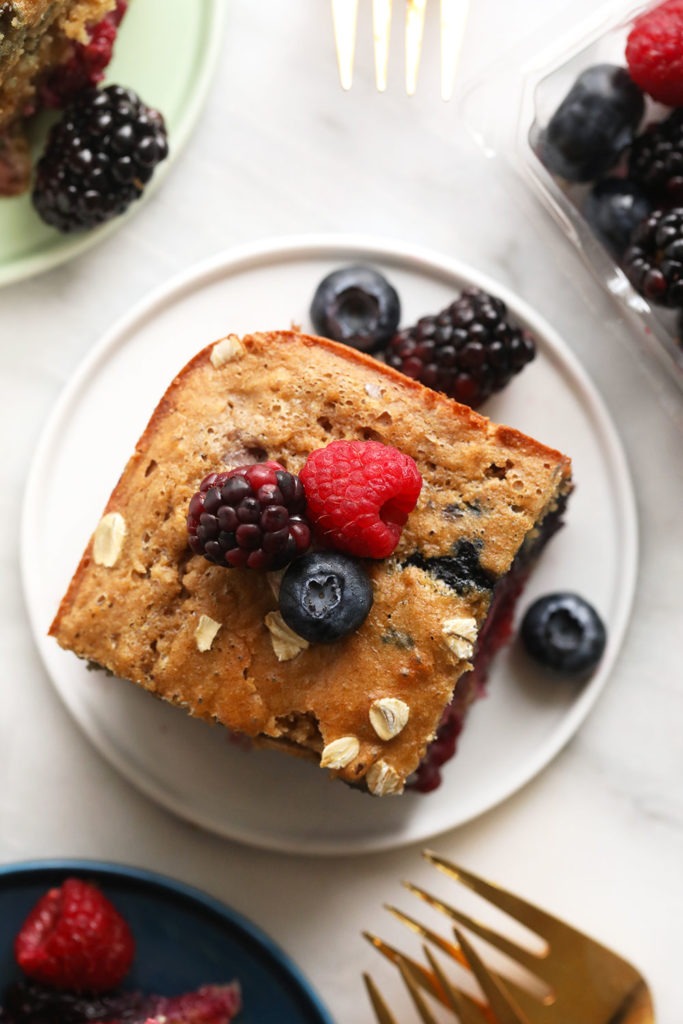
(468, 350)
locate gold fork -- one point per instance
(453, 15)
(583, 980)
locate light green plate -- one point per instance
(166, 51)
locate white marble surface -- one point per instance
(598, 836)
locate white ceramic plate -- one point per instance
(265, 798)
(172, 74)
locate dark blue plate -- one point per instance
(184, 939)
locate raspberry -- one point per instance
(656, 159)
(98, 158)
(359, 495)
(468, 351)
(654, 52)
(251, 516)
(74, 938)
(654, 260)
(86, 63)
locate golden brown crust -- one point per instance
(282, 395)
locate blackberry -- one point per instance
(654, 260)
(656, 159)
(468, 350)
(249, 517)
(98, 158)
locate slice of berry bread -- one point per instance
(50, 50)
(381, 705)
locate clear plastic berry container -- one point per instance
(507, 111)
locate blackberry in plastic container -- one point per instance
(593, 124)
(654, 260)
(468, 351)
(251, 517)
(656, 159)
(98, 159)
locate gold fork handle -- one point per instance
(638, 1008)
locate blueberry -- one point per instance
(614, 207)
(592, 126)
(357, 306)
(324, 595)
(564, 632)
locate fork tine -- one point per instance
(467, 1010)
(448, 947)
(345, 19)
(505, 945)
(426, 979)
(379, 1006)
(415, 20)
(453, 20)
(504, 1010)
(431, 983)
(381, 32)
(425, 1014)
(537, 920)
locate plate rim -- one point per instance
(166, 886)
(235, 260)
(214, 13)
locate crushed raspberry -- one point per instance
(359, 495)
(26, 1002)
(87, 62)
(654, 52)
(74, 938)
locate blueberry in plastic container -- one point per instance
(593, 125)
(614, 207)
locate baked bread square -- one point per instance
(382, 706)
